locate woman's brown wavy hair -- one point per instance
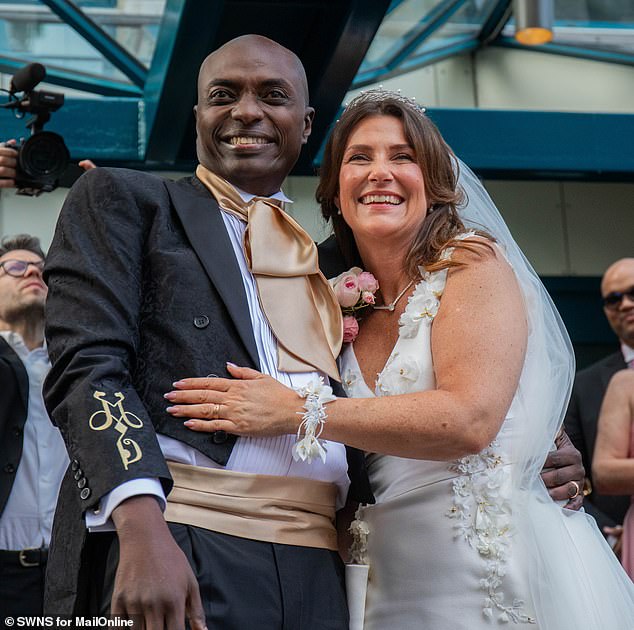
(440, 175)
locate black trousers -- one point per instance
(21, 590)
(246, 584)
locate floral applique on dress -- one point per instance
(482, 508)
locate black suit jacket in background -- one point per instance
(581, 425)
(144, 289)
(13, 413)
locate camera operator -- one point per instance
(8, 162)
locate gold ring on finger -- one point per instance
(573, 492)
(216, 414)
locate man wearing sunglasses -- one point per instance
(617, 293)
(32, 453)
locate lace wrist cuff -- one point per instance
(314, 415)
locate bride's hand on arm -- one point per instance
(478, 342)
(251, 403)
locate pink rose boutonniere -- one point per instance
(354, 290)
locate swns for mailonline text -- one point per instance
(71, 622)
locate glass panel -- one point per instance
(464, 25)
(615, 11)
(397, 23)
(30, 31)
(603, 25)
(602, 36)
(133, 24)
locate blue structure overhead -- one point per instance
(98, 38)
(330, 36)
(129, 69)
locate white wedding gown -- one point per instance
(447, 543)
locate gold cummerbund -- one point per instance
(286, 510)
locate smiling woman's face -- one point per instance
(381, 186)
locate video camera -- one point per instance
(43, 157)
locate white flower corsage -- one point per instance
(309, 446)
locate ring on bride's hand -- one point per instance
(216, 414)
(573, 492)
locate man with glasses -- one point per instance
(617, 291)
(32, 453)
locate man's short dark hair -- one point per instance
(21, 241)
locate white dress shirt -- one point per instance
(628, 353)
(267, 456)
(28, 515)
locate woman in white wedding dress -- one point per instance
(456, 392)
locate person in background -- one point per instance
(613, 463)
(32, 453)
(617, 291)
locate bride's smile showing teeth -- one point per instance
(391, 199)
(237, 140)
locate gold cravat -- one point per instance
(297, 300)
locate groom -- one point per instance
(149, 283)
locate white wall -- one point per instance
(517, 79)
(31, 215)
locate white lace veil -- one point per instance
(548, 372)
(574, 578)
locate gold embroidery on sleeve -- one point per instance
(122, 422)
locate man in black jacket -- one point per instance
(148, 284)
(32, 454)
(617, 291)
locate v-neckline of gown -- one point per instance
(359, 372)
(424, 280)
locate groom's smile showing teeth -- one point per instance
(242, 140)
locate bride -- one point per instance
(456, 390)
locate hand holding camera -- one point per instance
(36, 164)
(8, 162)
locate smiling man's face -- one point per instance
(252, 116)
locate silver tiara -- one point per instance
(376, 95)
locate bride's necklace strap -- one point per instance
(392, 305)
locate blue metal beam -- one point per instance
(430, 23)
(171, 84)
(540, 144)
(460, 47)
(395, 4)
(75, 80)
(496, 20)
(105, 130)
(570, 51)
(97, 37)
